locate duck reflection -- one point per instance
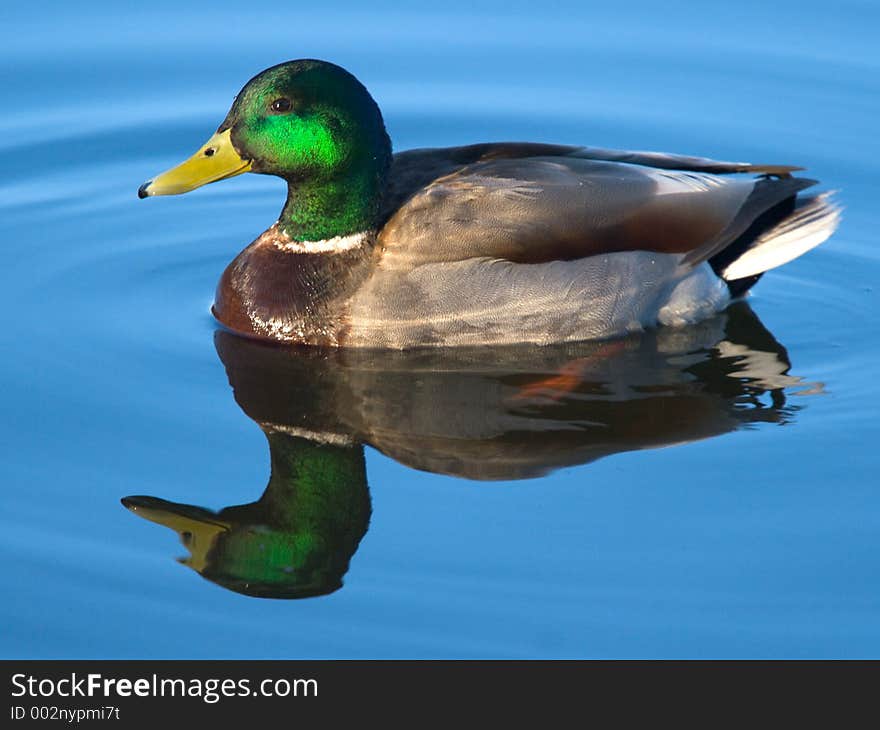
(485, 414)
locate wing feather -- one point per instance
(533, 203)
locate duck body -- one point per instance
(496, 243)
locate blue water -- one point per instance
(547, 524)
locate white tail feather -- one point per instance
(810, 224)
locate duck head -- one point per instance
(296, 541)
(311, 123)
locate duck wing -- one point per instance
(414, 169)
(534, 203)
(666, 161)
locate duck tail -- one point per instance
(811, 221)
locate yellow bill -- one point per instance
(198, 529)
(215, 160)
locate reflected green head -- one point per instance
(260, 561)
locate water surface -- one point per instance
(705, 492)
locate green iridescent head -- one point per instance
(296, 541)
(307, 119)
(311, 123)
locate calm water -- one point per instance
(511, 504)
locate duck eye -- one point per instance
(281, 105)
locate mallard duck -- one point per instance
(494, 243)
